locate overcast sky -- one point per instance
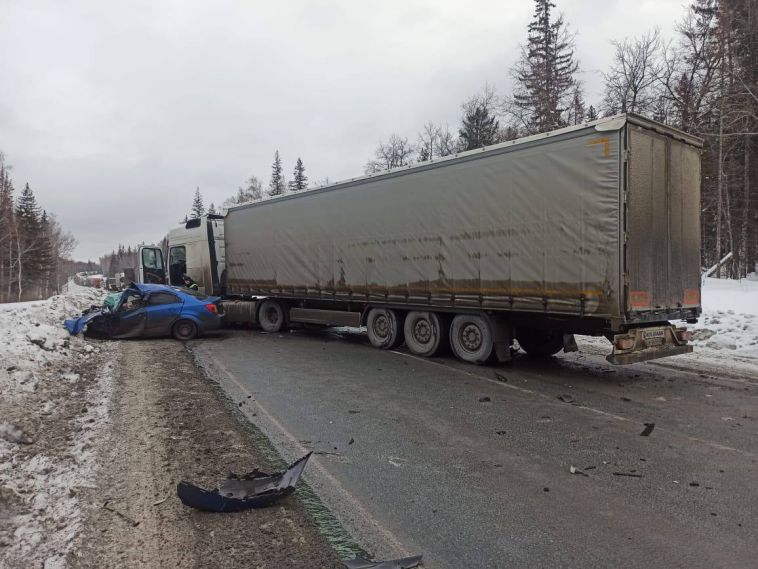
(115, 112)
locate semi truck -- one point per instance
(592, 229)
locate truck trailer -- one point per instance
(592, 229)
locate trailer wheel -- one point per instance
(471, 339)
(539, 343)
(385, 328)
(271, 316)
(425, 333)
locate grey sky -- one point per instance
(115, 111)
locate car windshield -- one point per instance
(189, 291)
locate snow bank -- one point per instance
(730, 316)
(56, 393)
(33, 339)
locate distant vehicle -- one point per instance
(146, 310)
(592, 229)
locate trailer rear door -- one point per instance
(662, 221)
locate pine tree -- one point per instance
(212, 209)
(45, 257)
(299, 179)
(545, 74)
(479, 125)
(478, 129)
(276, 185)
(29, 257)
(591, 113)
(198, 209)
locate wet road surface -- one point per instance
(471, 466)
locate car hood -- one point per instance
(76, 325)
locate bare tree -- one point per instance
(396, 152)
(631, 82)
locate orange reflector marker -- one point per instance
(639, 299)
(691, 296)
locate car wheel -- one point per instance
(184, 330)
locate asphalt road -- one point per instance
(471, 466)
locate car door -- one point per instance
(163, 308)
(128, 323)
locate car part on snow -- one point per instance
(236, 493)
(361, 563)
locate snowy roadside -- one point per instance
(55, 405)
(725, 337)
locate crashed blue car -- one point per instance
(150, 310)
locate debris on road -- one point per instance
(253, 490)
(361, 563)
(132, 522)
(501, 377)
(629, 474)
(648, 429)
(566, 398)
(575, 470)
(484, 400)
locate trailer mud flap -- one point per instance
(649, 343)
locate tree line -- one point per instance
(34, 248)
(703, 81)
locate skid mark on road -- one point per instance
(353, 504)
(551, 399)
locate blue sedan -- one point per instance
(149, 310)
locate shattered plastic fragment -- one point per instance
(405, 563)
(648, 429)
(253, 490)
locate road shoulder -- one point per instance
(169, 425)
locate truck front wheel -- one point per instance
(539, 343)
(425, 333)
(471, 339)
(385, 328)
(272, 316)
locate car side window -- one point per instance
(158, 298)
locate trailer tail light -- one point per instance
(624, 342)
(683, 335)
(211, 308)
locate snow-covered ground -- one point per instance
(730, 317)
(55, 402)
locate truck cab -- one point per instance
(197, 249)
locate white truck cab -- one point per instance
(197, 249)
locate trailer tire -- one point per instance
(272, 316)
(471, 339)
(385, 328)
(425, 333)
(184, 330)
(539, 343)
